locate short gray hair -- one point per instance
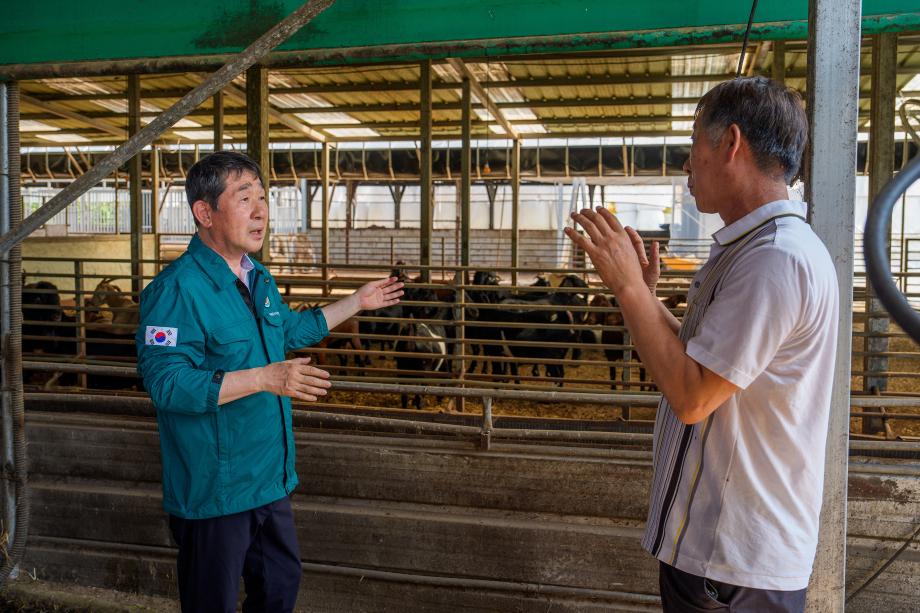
(770, 116)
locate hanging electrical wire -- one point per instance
(744, 43)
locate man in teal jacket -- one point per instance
(211, 349)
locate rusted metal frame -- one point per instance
(135, 185)
(217, 118)
(252, 54)
(257, 136)
(881, 169)
(426, 211)
(464, 71)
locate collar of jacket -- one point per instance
(213, 265)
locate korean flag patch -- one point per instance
(164, 337)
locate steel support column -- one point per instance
(515, 206)
(327, 200)
(257, 134)
(833, 97)
(12, 419)
(134, 185)
(881, 168)
(425, 206)
(351, 188)
(466, 167)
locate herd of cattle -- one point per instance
(48, 331)
(503, 328)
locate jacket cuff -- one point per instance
(217, 379)
(321, 322)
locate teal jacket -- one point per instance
(194, 323)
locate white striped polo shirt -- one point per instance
(736, 498)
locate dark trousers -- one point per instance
(260, 545)
(685, 593)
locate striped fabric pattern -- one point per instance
(678, 448)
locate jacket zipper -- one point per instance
(255, 283)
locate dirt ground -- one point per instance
(27, 595)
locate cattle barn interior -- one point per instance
(487, 443)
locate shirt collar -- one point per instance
(246, 267)
(213, 265)
(246, 264)
(757, 217)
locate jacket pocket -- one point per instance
(274, 337)
(230, 347)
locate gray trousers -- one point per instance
(685, 593)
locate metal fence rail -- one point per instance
(579, 361)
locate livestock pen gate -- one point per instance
(429, 139)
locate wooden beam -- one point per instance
(426, 204)
(465, 172)
(778, 70)
(135, 192)
(257, 133)
(881, 169)
(234, 93)
(464, 71)
(218, 120)
(155, 204)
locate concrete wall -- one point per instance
(407, 523)
(39, 254)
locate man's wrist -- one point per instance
(354, 304)
(258, 375)
(632, 295)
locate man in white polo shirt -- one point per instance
(746, 378)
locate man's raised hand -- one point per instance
(610, 248)
(379, 294)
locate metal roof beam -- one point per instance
(60, 111)
(412, 86)
(234, 93)
(464, 71)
